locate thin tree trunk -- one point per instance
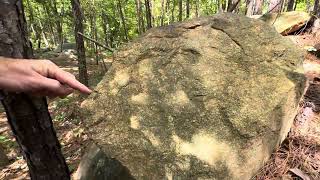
(162, 12)
(95, 31)
(148, 14)
(308, 5)
(28, 116)
(232, 5)
(58, 22)
(123, 20)
(290, 5)
(275, 6)
(258, 7)
(250, 7)
(4, 161)
(105, 28)
(316, 9)
(187, 9)
(78, 19)
(139, 16)
(172, 11)
(197, 7)
(180, 10)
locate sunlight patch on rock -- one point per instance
(135, 122)
(140, 99)
(179, 98)
(121, 79)
(155, 141)
(203, 146)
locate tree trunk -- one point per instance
(172, 11)
(308, 6)
(258, 7)
(275, 6)
(316, 9)
(105, 28)
(58, 22)
(148, 14)
(197, 8)
(250, 7)
(28, 116)
(78, 19)
(162, 12)
(232, 5)
(180, 10)
(124, 25)
(187, 9)
(4, 161)
(139, 16)
(290, 5)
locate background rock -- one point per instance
(209, 98)
(286, 22)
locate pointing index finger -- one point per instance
(68, 79)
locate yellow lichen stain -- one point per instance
(135, 122)
(179, 98)
(121, 79)
(145, 68)
(140, 99)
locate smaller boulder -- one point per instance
(286, 22)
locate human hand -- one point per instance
(37, 77)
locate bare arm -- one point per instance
(38, 77)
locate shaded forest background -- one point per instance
(113, 22)
(105, 25)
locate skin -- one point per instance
(37, 77)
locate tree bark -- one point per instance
(290, 5)
(187, 9)
(105, 27)
(139, 16)
(258, 7)
(180, 10)
(162, 12)
(123, 21)
(316, 9)
(232, 5)
(78, 19)
(275, 6)
(58, 21)
(4, 161)
(28, 116)
(172, 11)
(148, 14)
(197, 7)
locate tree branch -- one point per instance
(96, 42)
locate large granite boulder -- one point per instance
(209, 98)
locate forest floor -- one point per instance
(297, 157)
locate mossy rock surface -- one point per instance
(209, 98)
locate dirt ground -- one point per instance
(297, 158)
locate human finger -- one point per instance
(67, 78)
(54, 88)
